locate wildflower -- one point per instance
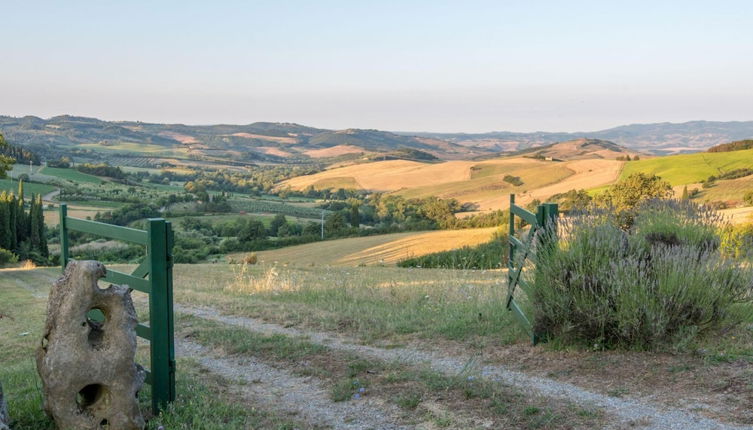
(356, 396)
(361, 390)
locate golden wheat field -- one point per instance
(479, 183)
(385, 249)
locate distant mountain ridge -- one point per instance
(294, 143)
(657, 138)
(260, 141)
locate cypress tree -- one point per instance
(13, 222)
(685, 195)
(34, 233)
(42, 236)
(355, 217)
(4, 222)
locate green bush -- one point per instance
(658, 284)
(7, 257)
(737, 241)
(748, 198)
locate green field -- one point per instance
(224, 218)
(270, 207)
(72, 175)
(29, 187)
(691, 168)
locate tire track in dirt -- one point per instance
(628, 413)
(305, 397)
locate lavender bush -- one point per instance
(661, 282)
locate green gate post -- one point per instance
(158, 265)
(63, 235)
(511, 254)
(542, 237)
(160, 315)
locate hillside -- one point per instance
(733, 146)
(692, 168)
(373, 250)
(579, 149)
(658, 138)
(480, 184)
(91, 139)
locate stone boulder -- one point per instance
(4, 419)
(89, 376)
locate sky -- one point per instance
(459, 66)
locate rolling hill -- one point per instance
(88, 138)
(692, 168)
(371, 250)
(91, 139)
(579, 149)
(481, 185)
(657, 138)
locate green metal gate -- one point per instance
(522, 249)
(158, 267)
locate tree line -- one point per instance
(22, 230)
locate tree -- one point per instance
(334, 223)
(685, 195)
(636, 188)
(278, 221)
(254, 229)
(573, 200)
(6, 163)
(355, 217)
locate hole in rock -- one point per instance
(93, 396)
(96, 318)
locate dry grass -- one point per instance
(51, 217)
(271, 150)
(479, 183)
(738, 215)
(391, 175)
(370, 250)
(334, 151)
(580, 149)
(182, 138)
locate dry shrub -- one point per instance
(250, 258)
(272, 280)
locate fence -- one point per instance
(546, 214)
(157, 265)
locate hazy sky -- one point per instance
(402, 65)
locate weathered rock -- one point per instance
(4, 420)
(90, 379)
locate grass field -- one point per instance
(691, 168)
(71, 175)
(385, 249)
(29, 187)
(132, 147)
(223, 218)
(731, 190)
(739, 215)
